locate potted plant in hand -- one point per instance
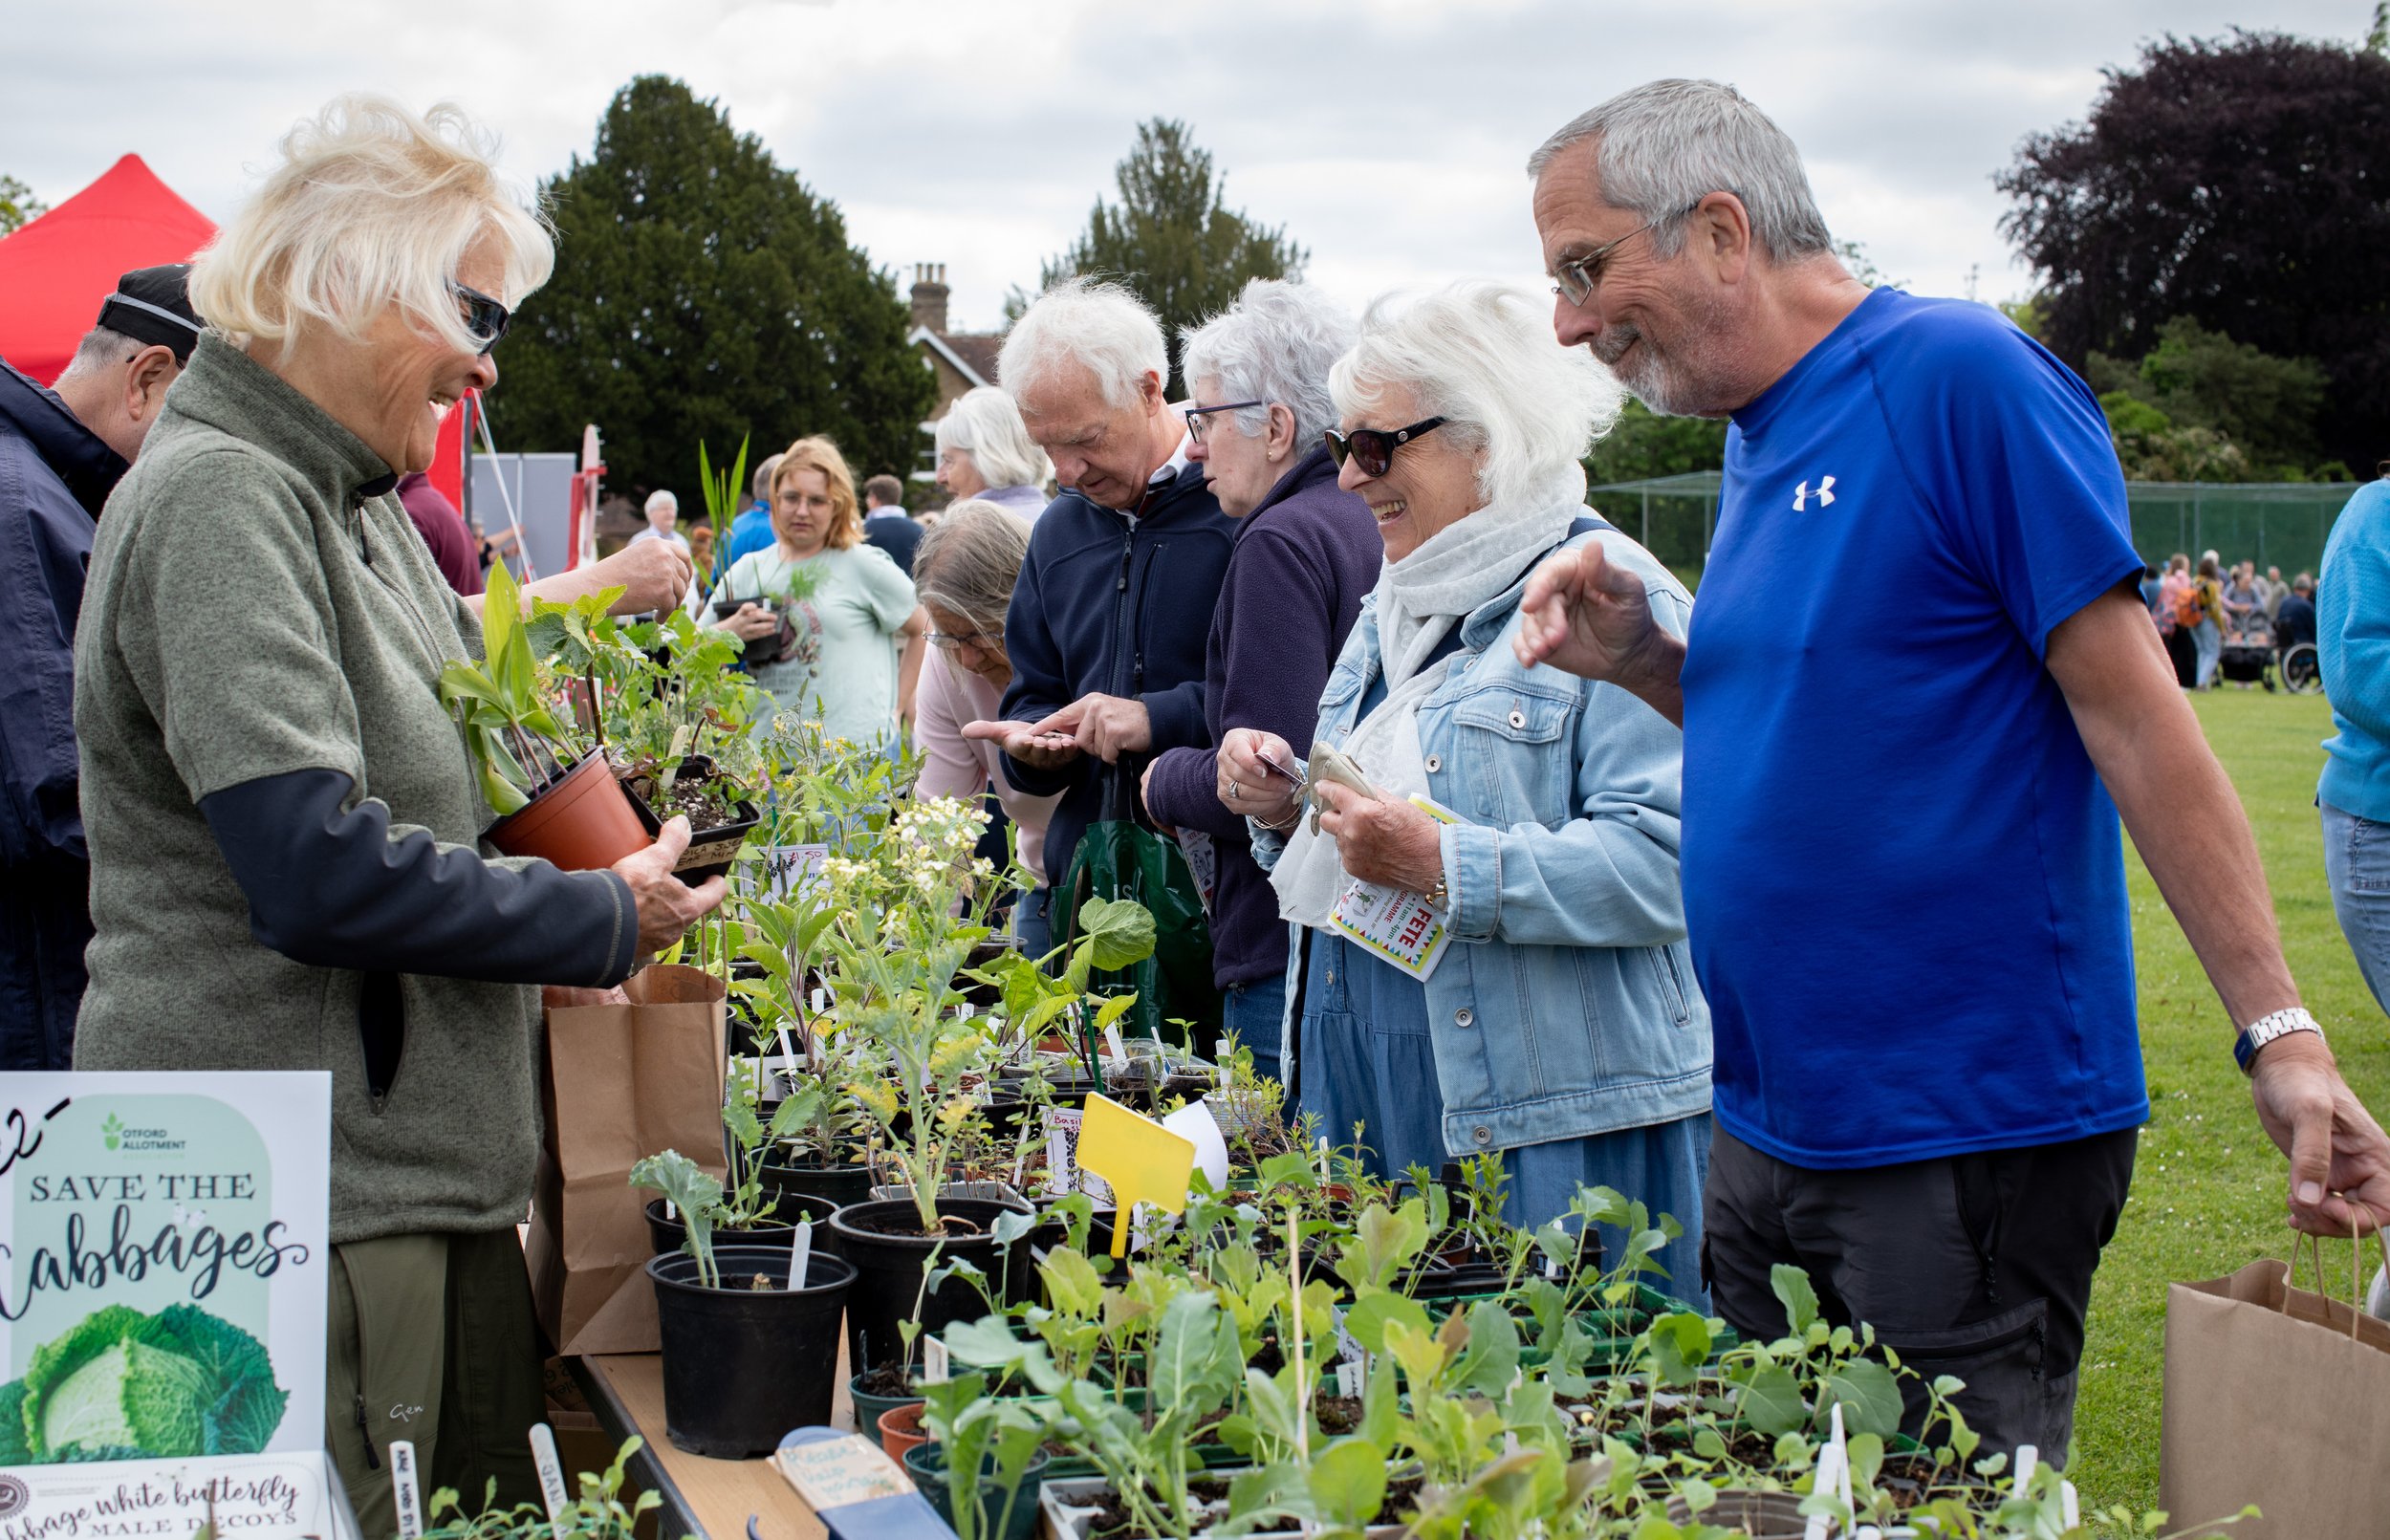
(751, 1350)
(557, 797)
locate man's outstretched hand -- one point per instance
(1587, 616)
(2339, 1157)
(1024, 741)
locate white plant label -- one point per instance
(934, 1364)
(670, 1212)
(1058, 1160)
(1349, 1381)
(406, 1490)
(1323, 1161)
(801, 1254)
(2070, 1505)
(1112, 1041)
(2026, 1457)
(787, 1050)
(551, 1490)
(821, 1000)
(1349, 1349)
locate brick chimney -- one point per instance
(929, 297)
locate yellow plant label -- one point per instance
(1144, 1161)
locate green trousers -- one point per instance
(433, 1341)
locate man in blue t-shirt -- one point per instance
(751, 531)
(1918, 671)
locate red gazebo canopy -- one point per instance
(55, 270)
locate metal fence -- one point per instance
(2274, 524)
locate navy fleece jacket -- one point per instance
(1111, 605)
(1305, 558)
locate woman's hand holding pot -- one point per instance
(666, 906)
(751, 621)
(1258, 775)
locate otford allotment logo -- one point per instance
(116, 1135)
(14, 1494)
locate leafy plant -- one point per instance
(695, 1196)
(516, 743)
(599, 1513)
(123, 1386)
(976, 1430)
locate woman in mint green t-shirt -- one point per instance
(848, 626)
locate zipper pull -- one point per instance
(373, 1460)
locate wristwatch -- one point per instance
(2265, 1030)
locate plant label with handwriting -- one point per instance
(163, 1285)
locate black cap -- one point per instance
(154, 304)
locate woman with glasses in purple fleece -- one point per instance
(1306, 554)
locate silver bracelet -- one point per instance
(2267, 1029)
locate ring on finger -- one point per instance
(1236, 792)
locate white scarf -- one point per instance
(1468, 563)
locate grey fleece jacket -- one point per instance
(251, 613)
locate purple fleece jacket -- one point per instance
(1304, 559)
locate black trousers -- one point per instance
(1978, 1266)
(45, 923)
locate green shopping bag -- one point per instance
(1121, 858)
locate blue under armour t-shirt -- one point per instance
(1904, 883)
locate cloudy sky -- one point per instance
(1386, 136)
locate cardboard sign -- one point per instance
(1142, 1160)
(164, 1255)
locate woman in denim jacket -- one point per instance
(1562, 1026)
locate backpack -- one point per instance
(2190, 606)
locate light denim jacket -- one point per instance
(1566, 1005)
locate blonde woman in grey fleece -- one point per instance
(287, 864)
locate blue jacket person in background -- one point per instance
(61, 452)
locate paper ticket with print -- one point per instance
(1399, 926)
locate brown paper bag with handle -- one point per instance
(2277, 1396)
(622, 1082)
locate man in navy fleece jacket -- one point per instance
(1107, 626)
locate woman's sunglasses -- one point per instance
(1373, 448)
(484, 316)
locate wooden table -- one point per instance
(710, 1499)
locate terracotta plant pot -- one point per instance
(581, 823)
(901, 1429)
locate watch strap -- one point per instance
(2266, 1029)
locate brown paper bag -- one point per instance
(623, 1082)
(2277, 1396)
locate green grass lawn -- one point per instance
(2210, 1192)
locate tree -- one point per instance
(1172, 238)
(2243, 182)
(19, 206)
(704, 293)
(1644, 444)
(2196, 379)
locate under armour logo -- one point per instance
(1801, 495)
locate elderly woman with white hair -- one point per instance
(663, 515)
(1560, 1026)
(287, 869)
(1306, 554)
(984, 451)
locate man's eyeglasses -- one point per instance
(484, 316)
(1195, 416)
(983, 640)
(1576, 279)
(1373, 448)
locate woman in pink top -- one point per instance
(964, 571)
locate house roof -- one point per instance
(974, 355)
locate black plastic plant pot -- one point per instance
(710, 851)
(890, 1264)
(671, 1234)
(927, 1465)
(743, 1365)
(840, 1184)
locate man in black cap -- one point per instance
(61, 451)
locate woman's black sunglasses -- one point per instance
(484, 316)
(1374, 447)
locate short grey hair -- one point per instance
(1667, 145)
(985, 424)
(1480, 356)
(761, 490)
(372, 204)
(661, 498)
(970, 559)
(1276, 343)
(102, 348)
(1099, 327)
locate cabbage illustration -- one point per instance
(125, 1386)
